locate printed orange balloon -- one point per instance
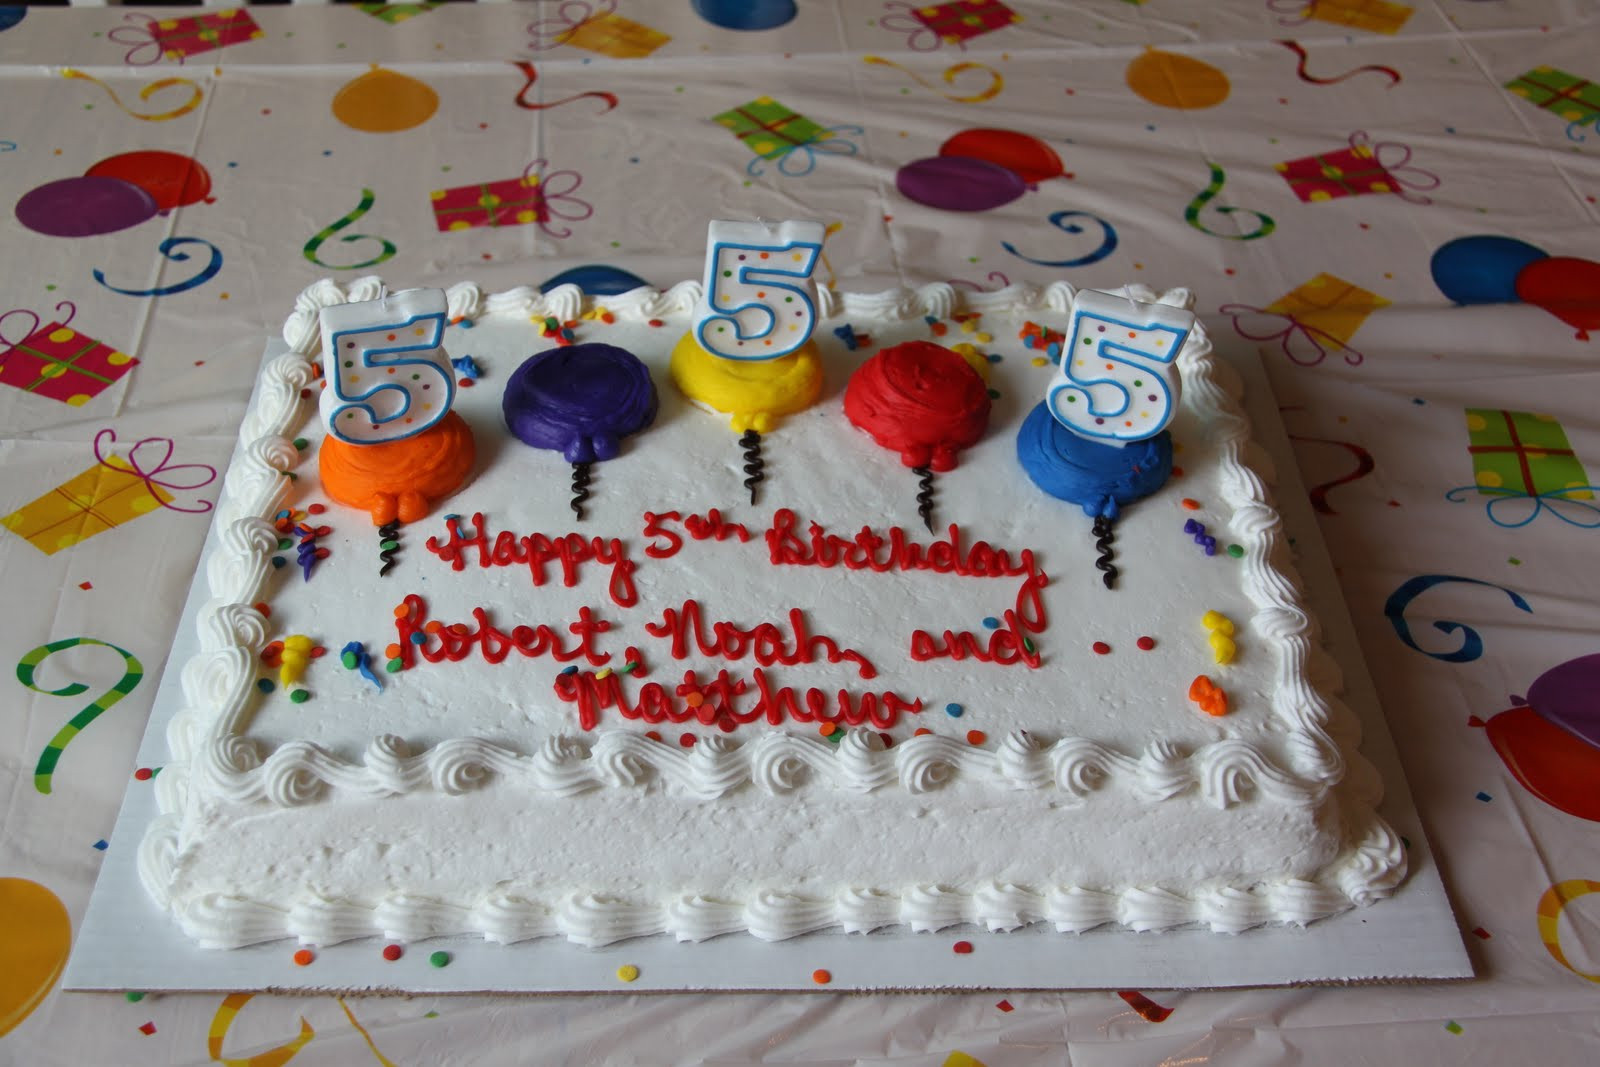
(36, 935)
(1023, 154)
(384, 101)
(1169, 79)
(171, 179)
(1567, 287)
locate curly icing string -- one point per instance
(161, 474)
(1292, 336)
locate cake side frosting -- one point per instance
(216, 765)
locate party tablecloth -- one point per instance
(1393, 203)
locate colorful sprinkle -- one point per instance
(827, 729)
(133, 996)
(303, 957)
(265, 685)
(439, 959)
(1101, 648)
(991, 623)
(147, 1029)
(821, 977)
(627, 972)
(953, 710)
(1190, 504)
(1217, 622)
(1146, 643)
(629, 668)
(392, 952)
(976, 737)
(1210, 699)
(1235, 551)
(604, 672)
(395, 666)
(143, 774)
(687, 740)
(962, 948)
(919, 731)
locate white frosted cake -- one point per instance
(688, 715)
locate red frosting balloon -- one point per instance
(1567, 287)
(170, 179)
(921, 400)
(1024, 155)
(1554, 765)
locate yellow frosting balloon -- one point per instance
(37, 935)
(384, 101)
(756, 393)
(1168, 79)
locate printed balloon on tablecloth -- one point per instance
(1566, 287)
(746, 14)
(1171, 79)
(958, 183)
(1550, 742)
(84, 207)
(1482, 269)
(171, 179)
(10, 16)
(384, 101)
(1023, 154)
(38, 935)
(596, 279)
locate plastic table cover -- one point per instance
(1395, 203)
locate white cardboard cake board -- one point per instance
(127, 943)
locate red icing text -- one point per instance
(872, 551)
(765, 641)
(708, 527)
(456, 641)
(538, 551)
(718, 702)
(1007, 644)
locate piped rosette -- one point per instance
(580, 400)
(923, 401)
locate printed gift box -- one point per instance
(510, 202)
(1358, 168)
(770, 129)
(1308, 320)
(59, 362)
(113, 491)
(150, 40)
(1522, 451)
(396, 13)
(595, 27)
(1375, 16)
(1567, 95)
(965, 19)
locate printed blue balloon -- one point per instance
(597, 280)
(959, 183)
(1482, 270)
(746, 14)
(10, 16)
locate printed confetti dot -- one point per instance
(1146, 643)
(102, 844)
(393, 952)
(627, 972)
(1485, 797)
(953, 710)
(1101, 648)
(133, 996)
(1453, 1026)
(85, 585)
(1003, 1005)
(962, 948)
(147, 1029)
(439, 959)
(303, 957)
(1479, 931)
(821, 977)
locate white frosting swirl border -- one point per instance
(208, 746)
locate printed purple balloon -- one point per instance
(1568, 695)
(84, 207)
(959, 183)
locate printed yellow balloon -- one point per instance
(385, 101)
(1168, 79)
(35, 937)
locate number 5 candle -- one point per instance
(393, 445)
(749, 353)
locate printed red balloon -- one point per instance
(1567, 287)
(172, 180)
(1551, 763)
(1024, 155)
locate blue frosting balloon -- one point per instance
(746, 14)
(597, 279)
(1099, 478)
(580, 400)
(1482, 270)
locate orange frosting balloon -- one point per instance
(400, 479)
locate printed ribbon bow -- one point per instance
(152, 476)
(1293, 335)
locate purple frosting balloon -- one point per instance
(1568, 695)
(84, 207)
(959, 183)
(580, 400)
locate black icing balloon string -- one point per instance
(388, 545)
(1104, 531)
(580, 400)
(925, 495)
(754, 466)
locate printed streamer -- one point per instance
(1365, 465)
(197, 94)
(26, 675)
(997, 82)
(1551, 904)
(1471, 644)
(168, 249)
(277, 1057)
(533, 76)
(316, 242)
(1108, 240)
(995, 278)
(1298, 49)
(1191, 213)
